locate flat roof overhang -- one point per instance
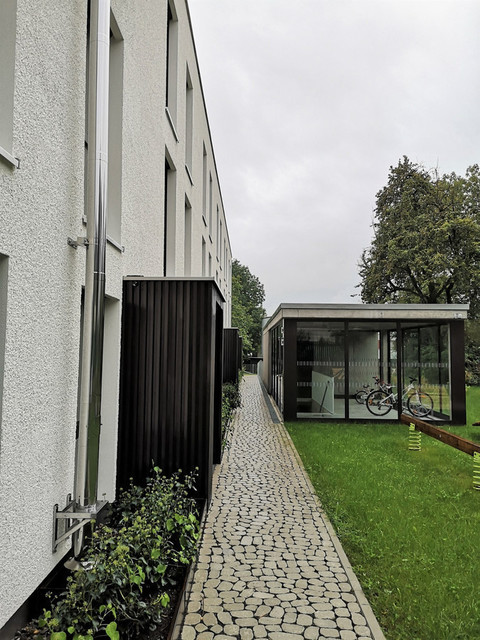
(333, 311)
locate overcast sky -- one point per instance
(310, 102)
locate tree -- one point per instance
(426, 243)
(248, 296)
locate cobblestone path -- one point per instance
(270, 565)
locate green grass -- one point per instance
(408, 521)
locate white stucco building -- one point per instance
(165, 218)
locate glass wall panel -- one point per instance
(276, 356)
(389, 365)
(363, 357)
(444, 405)
(372, 356)
(426, 361)
(373, 353)
(321, 369)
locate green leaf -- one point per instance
(58, 635)
(170, 524)
(165, 599)
(111, 631)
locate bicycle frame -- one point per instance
(413, 400)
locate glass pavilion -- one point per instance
(317, 356)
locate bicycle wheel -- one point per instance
(379, 402)
(361, 396)
(420, 404)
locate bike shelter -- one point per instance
(318, 356)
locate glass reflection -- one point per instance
(321, 370)
(425, 358)
(372, 361)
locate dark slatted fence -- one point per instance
(170, 379)
(232, 350)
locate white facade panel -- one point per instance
(41, 205)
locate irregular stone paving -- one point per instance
(268, 565)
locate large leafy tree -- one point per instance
(248, 296)
(426, 242)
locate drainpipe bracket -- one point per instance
(72, 518)
(79, 242)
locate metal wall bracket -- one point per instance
(72, 518)
(79, 242)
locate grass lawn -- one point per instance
(408, 521)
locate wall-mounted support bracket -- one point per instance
(79, 242)
(72, 518)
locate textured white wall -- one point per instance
(41, 204)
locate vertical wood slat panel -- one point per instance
(231, 361)
(170, 378)
(217, 381)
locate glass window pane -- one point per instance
(372, 360)
(426, 366)
(276, 355)
(320, 369)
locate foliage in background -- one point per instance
(248, 296)
(472, 352)
(231, 400)
(408, 521)
(426, 243)
(131, 564)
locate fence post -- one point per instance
(415, 440)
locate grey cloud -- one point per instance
(310, 103)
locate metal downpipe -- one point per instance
(94, 310)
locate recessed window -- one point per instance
(169, 218)
(8, 23)
(187, 242)
(204, 185)
(115, 111)
(189, 124)
(210, 204)
(204, 257)
(172, 61)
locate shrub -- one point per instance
(130, 564)
(231, 400)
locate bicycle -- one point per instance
(361, 394)
(417, 403)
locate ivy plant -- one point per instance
(130, 564)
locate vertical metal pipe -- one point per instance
(96, 210)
